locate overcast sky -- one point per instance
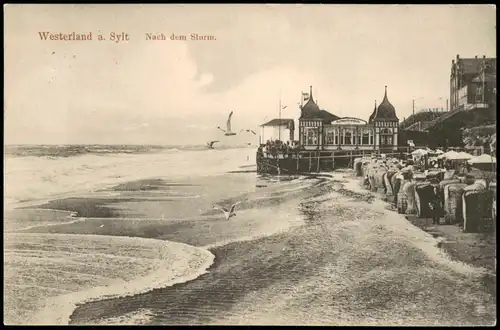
(178, 92)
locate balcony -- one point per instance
(471, 97)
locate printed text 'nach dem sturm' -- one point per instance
(122, 36)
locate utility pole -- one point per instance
(413, 112)
(446, 104)
(484, 76)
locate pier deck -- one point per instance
(307, 161)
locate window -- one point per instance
(329, 136)
(386, 136)
(371, 136)
(312, 136)
(347, 136)
(366, 137)
(336, 136)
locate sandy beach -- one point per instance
(327, 253)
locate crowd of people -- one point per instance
(424, 163)
(276, 148)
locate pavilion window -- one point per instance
(329, 136)
(371, 136)
(347, 136)
(366, 137)
(336, 136)
(312, 136)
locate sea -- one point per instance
(125, 234)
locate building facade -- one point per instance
(472, 101)
(321, 130)
(466, 83)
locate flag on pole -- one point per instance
(305, 96)
(284, 107)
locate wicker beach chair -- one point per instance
(409, 191)
(393, 180)
(379, 180)
(372, 186)
(493, 188)
(442, 186)
(424, 193)
(385, 188)
(389, 192)
(476, 201)
(401, 202)
(453, 211)
(358, 167)
(396, 188)
(370, 173)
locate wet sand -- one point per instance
(476, 249)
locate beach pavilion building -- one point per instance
(277, 129)
(321, 130)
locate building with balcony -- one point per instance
(466, 80)
(472, 101)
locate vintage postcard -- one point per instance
(250, 164)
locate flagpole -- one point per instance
(279, 125)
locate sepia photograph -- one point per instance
(249, 164)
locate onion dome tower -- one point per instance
(373, 113)
(310, 109)
(385, 111)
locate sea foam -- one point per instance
(172, 263)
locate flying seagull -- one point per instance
(227, 213)
(228, 126)
(249, 131)
(211, 144)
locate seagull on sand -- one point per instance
(227, 213)
(211, 144)
(228, 126)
